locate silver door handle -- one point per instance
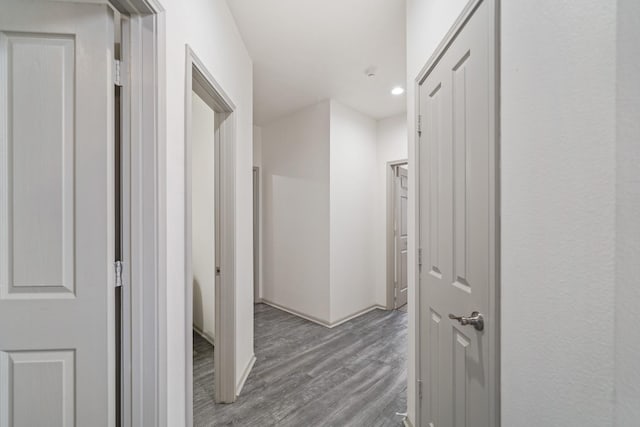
(476, 320)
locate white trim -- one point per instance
(245, 374)
(494, 282)
(198, 79)
(148, 230)
(296, 313)
(416, 261)
(205, 336)
(357, 314)
(144, 148)
(321, 322)
(138, 7)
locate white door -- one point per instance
(457, 218)
(401, 194)
(56, 215)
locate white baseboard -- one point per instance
(204, 335)
(297, 313)
(358, 314)
(322, 322)
(245, 374)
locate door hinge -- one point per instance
(218, 271)
(117, 72)
(420, 258)
(118, 270)
(419, 124)
(419, 389)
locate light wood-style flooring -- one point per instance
(307, 375)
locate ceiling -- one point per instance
(306, 51)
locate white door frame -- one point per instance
(144, 394)
(198, 78)
(494, 69)
(391, 220)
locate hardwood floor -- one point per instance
(307, 375)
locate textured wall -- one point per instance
(628, 213)
(558, 206)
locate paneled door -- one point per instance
(56, 215)
(401, 194)
(457, 228)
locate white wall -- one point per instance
(208, 27)
(203, 216)
(257, 146)
(392, 145)
(352, 198)
(558, 200)
(295, 171)
(558, 140)
(322, 228)
(628, 208)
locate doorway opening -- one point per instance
(397, 234)
(209, 238)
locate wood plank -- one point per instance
(308, 375)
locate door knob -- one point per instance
(476, 320)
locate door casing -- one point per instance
(494, 69)
(144, 394)
(200, 80)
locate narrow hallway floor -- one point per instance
(307, 375)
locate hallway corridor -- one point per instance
(307, 375)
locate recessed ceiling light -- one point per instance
(397, 90)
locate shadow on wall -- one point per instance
(198, 309)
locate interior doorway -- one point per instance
(209, 233)
(397, 234)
